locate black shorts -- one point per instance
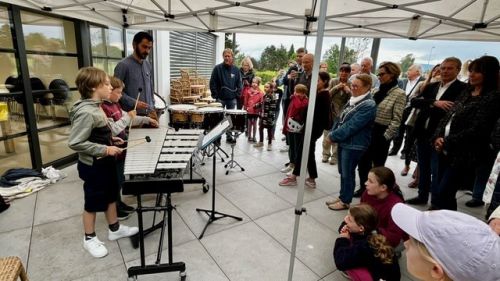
(100, 184)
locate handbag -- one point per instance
(294, 126)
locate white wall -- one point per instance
(220, 47)
(162, 63)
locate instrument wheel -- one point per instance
(182, 274)
(206, 188)
(132, 278)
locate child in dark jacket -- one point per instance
(359, 246)
(267, 113)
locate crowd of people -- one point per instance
(450, 127)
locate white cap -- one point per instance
(464, 246)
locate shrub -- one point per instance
(266, 75)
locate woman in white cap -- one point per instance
(447, 245)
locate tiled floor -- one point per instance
(45, 229)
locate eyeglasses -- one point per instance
(381, 74)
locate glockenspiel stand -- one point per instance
(233, 163)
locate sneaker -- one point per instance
(259, 144)
(283, 138)
(288, 168)
(311, 183)
(126, 208)
(288, 181)
(324, 159)
(284, 148)
(269, 147)
(95, 247)
(123, 231)
(333, 161)
(122, 215)
(254, 140)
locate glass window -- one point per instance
(52, 64)
(8, 69)
(46, 34)
(107, 48)
(97, 41)
(48, 68)
(114, 43)
(5, 30)
(111, 65)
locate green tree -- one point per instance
(406, 62)
(332, 56)
(228, 43)
(255, 63)
(273, 58)
(291, 52)
(238, 58)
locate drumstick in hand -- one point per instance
(135, 108)
(145, 140)
(141, 141)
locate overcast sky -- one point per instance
(390, 49)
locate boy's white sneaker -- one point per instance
(288, 168)
(269, 147)
(95, 247)
(123, 231)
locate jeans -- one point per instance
(228, 104)
(428, 164)
(348, 159)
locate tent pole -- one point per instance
(234, 43)
(308, 130)
(374, 52)
(342, 53)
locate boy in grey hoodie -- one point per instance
(91, 137)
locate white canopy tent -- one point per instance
(436, 19)
(415, 19)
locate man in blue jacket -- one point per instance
(225, 83)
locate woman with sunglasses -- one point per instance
(390, 100)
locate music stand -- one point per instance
(233, 163)
(209, 138)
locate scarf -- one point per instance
(383, 90)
